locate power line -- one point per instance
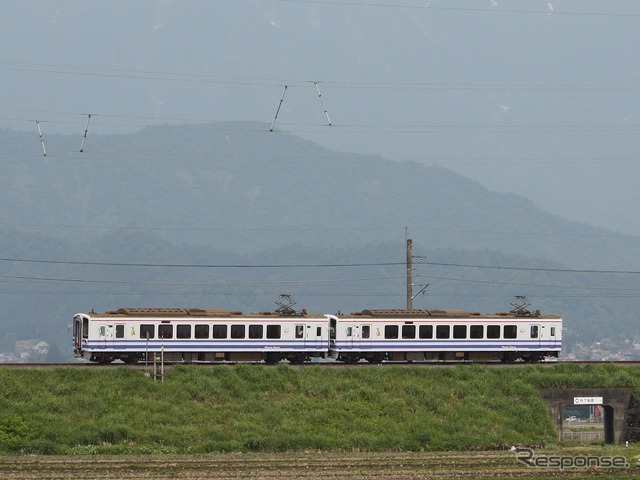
(316, 228)
(426, 6)
(185, 265)
(200, 283)
(314, 265)
(531, 285)
(533, 269)
(306, 83)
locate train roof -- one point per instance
(367, 313)
(191, 313)
(448, 314)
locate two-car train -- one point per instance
(212, 335)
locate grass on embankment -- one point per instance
(255, 408)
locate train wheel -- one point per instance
(376, 358)
(350, 358)
(273, 358)
(509, 357)
(297, 359)
(533, 358)
(131, 359)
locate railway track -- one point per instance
(149, 366)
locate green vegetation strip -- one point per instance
(250, 408)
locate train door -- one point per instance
(348, 333)
(365, 337)
(315, 331)
(536, 333)
(105, 336)
(301, 338)
(552, 337)
(321, 339)
(102, 336)
(119, 333)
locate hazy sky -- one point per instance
(535, 97)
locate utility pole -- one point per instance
(409, 274)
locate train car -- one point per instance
(445, 335)
(208, 335)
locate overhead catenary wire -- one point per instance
(311, 265)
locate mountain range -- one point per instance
(232, 213)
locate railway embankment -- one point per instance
(256, 408)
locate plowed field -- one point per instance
(302, 466)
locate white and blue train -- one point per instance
(212, 335)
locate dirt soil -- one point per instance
(299, 466)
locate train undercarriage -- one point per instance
(301, 357)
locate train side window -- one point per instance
(85, 328)
(553, 331)
(493, 331)
(408, 331)
(459, 331)
(255, 331)
(510, 331)
(120, 331)
(443, 331)
(534, 331)
(391, 331)
(219, 331)
(299, 331)
(476, 331)
(273, 331)
(201, 331)
(183, 331)
(318, 331)
(237, 331)
(147, 331)
(165, 331)
(366, 331)
(425, 331)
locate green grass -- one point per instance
(255, 408)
